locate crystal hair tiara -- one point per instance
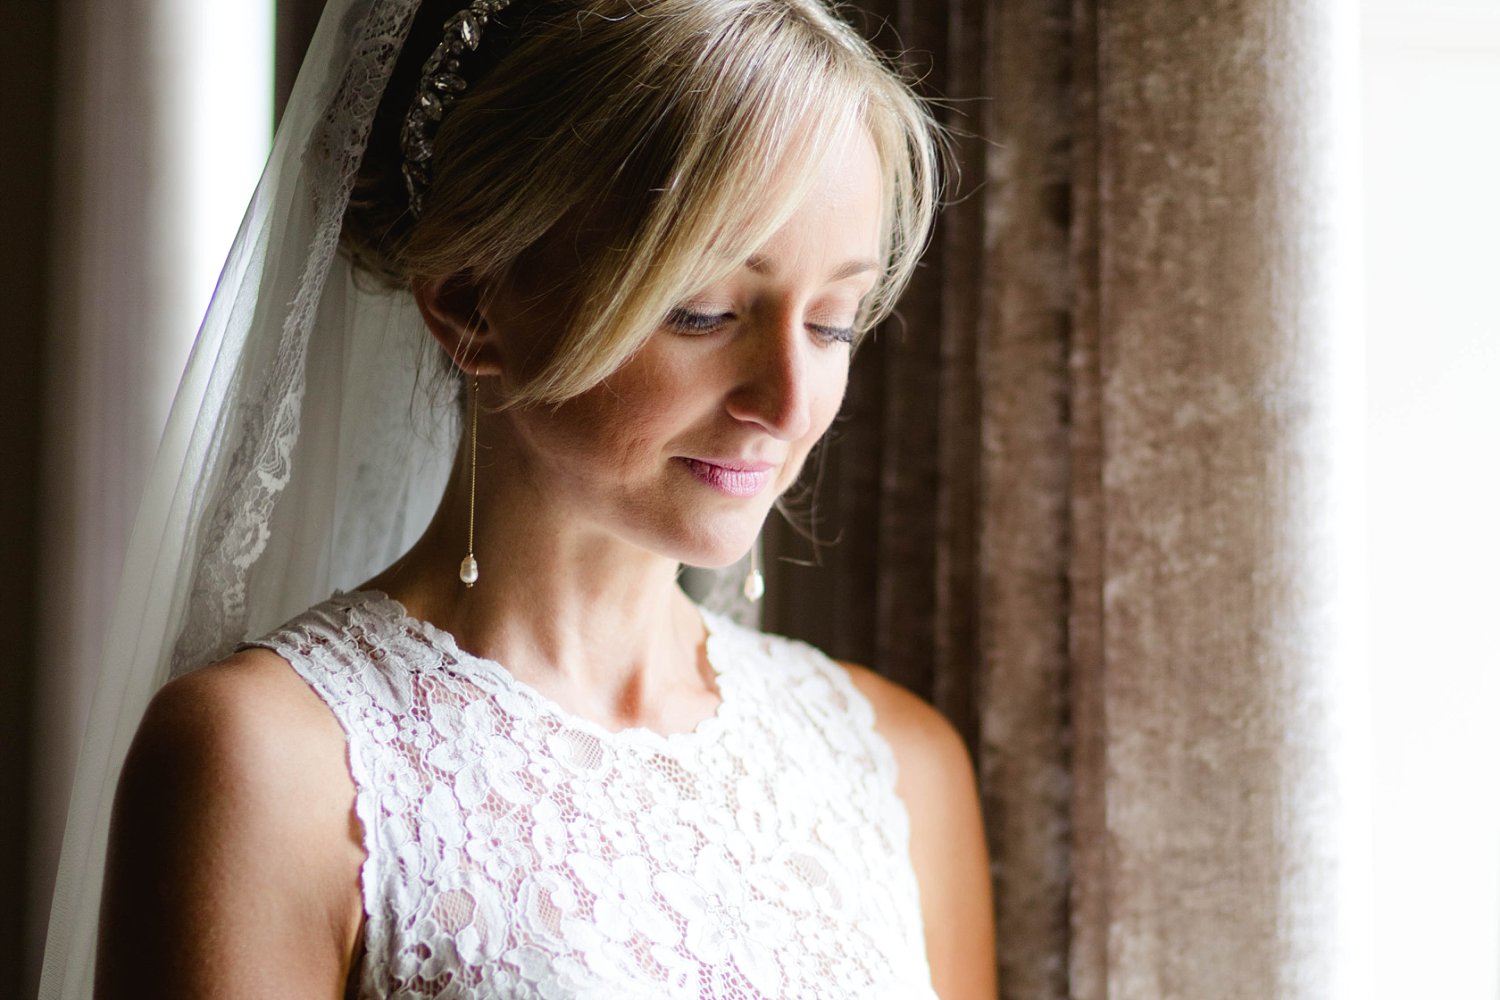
(439, 87)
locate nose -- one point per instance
(774, 383)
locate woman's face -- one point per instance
(683, 449)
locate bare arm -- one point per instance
(234, 856)
(936, 782)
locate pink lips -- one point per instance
(730, 477)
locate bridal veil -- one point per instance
(298, 457)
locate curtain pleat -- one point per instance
(1087, 957)
(112, 283)
(1025, 415)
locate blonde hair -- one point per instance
(660, 126)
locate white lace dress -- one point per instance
(518, 851)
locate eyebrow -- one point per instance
(760, 265)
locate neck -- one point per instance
(591, 620)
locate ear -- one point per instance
(455, 310)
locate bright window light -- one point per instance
(223, 90)
(1432, 197)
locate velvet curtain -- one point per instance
(1089, 494)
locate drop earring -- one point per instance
(755, 583)
(468, 570)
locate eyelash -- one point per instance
(687, 321)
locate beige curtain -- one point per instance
(107, 389)
(126, 286)
(1087, 492)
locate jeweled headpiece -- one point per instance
(439, 87)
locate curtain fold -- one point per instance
(1086, 493)
(109, 373)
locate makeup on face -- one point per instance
(730, 477)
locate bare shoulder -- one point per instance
(922, 737)
(936, 782)
(233, 855)
(225, 706)
(248, 728)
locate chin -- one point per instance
(717, 559)
(716, 549)
(714, 564)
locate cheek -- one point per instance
(619, 421)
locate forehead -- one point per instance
(836, 225)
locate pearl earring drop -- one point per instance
(468, 570)
(755, 583)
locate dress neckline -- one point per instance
(717, 646)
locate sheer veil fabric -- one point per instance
(265, 497)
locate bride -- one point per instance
(518, 761)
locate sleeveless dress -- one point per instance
(517, 851)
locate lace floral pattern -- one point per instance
(517, 851)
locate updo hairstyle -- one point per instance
(667, 139)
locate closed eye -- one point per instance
(834, 334)
(690, 322)
(687, 321)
